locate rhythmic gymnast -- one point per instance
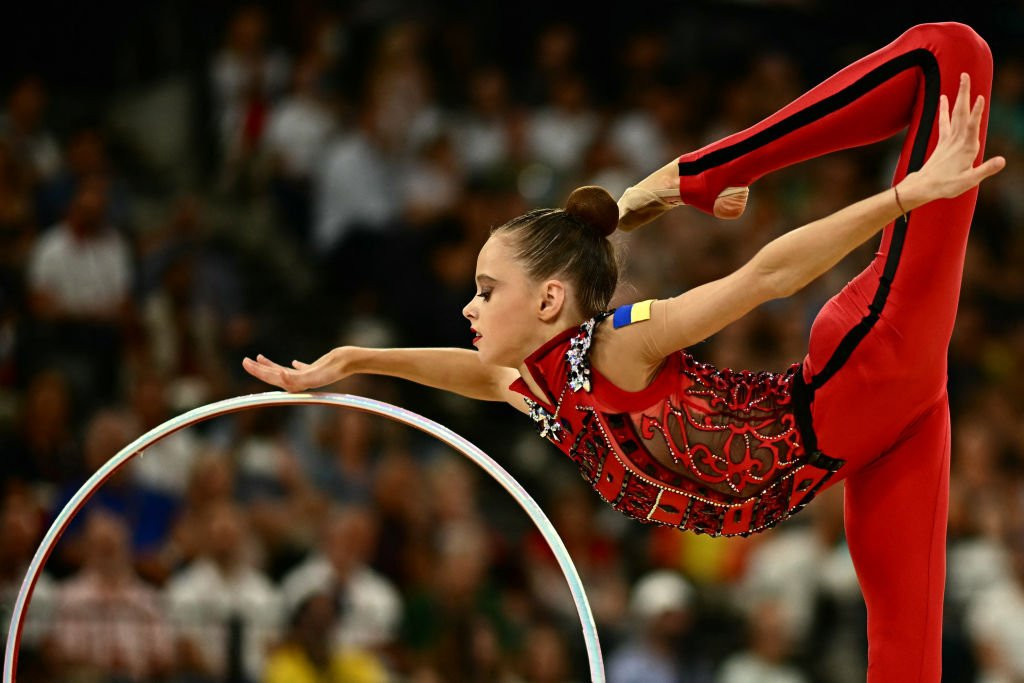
(670, 440)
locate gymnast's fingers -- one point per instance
(258, 370)
(961, 108)
(989, 168)
(976, 112)
(943, 117)
(263, 360)
(271, 373)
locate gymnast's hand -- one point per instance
(327, 369)
(950, 170)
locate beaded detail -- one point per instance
(577, 356)
(721, 452)
(734, 430)
(577, 359)
(547, 423)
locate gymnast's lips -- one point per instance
(476, 336)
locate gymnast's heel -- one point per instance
(639, 206)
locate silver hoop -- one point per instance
(277, 398)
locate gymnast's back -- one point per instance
(712, 451)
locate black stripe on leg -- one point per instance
(930, 71)
(918, 57)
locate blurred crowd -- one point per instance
(322, 174)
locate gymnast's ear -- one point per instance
(552, 300)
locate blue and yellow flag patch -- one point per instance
(632, 313)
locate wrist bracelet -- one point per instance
(899, 203)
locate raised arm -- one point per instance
(456, 370)
(790, 262)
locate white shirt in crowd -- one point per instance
(298, 132)
(560, 139)
(231, 78)
(482, 144)
(84, 276)
(355, 185)
(167, 464)
(371, 608)
(112, 628)
(786, 567)
(201, 601)
(637, 139)
(995, 620)
(746, 667)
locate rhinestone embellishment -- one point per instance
(576, 357)
(548, 424)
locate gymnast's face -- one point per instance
(511, 313)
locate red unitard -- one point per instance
(876, 362)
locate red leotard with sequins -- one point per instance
(706, 450)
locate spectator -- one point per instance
(85, 156)
(193, 308)
(660, 606)
(545, 656)
(356, 186)
(300, 127)
(108, 622)
(480, 134)
(80, 278)
(148, 513)
(401, 87)
(594, 552)
(405, 554)
(246, 77)
(771, 643)
(211, 483)
(310, 656)
(17, 222)
(442, 612)
(432, 182)
(226, 613)
(638, 135)
(167, 464)
(42, 451)
(20, 532)
(284, 508)
(23, 128)
(558, 133)
(369, 607)
(555, 55)
(341, 463)
(995, 620)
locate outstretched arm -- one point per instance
(456, 370)
(790, 262)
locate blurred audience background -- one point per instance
(183, 184)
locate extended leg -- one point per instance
(886, 334)
(870, 100)
(896, 529)
(876, 366)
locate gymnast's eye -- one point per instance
(486, 296)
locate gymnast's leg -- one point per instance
(870, 100)
(876, 365)
(896, 512)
